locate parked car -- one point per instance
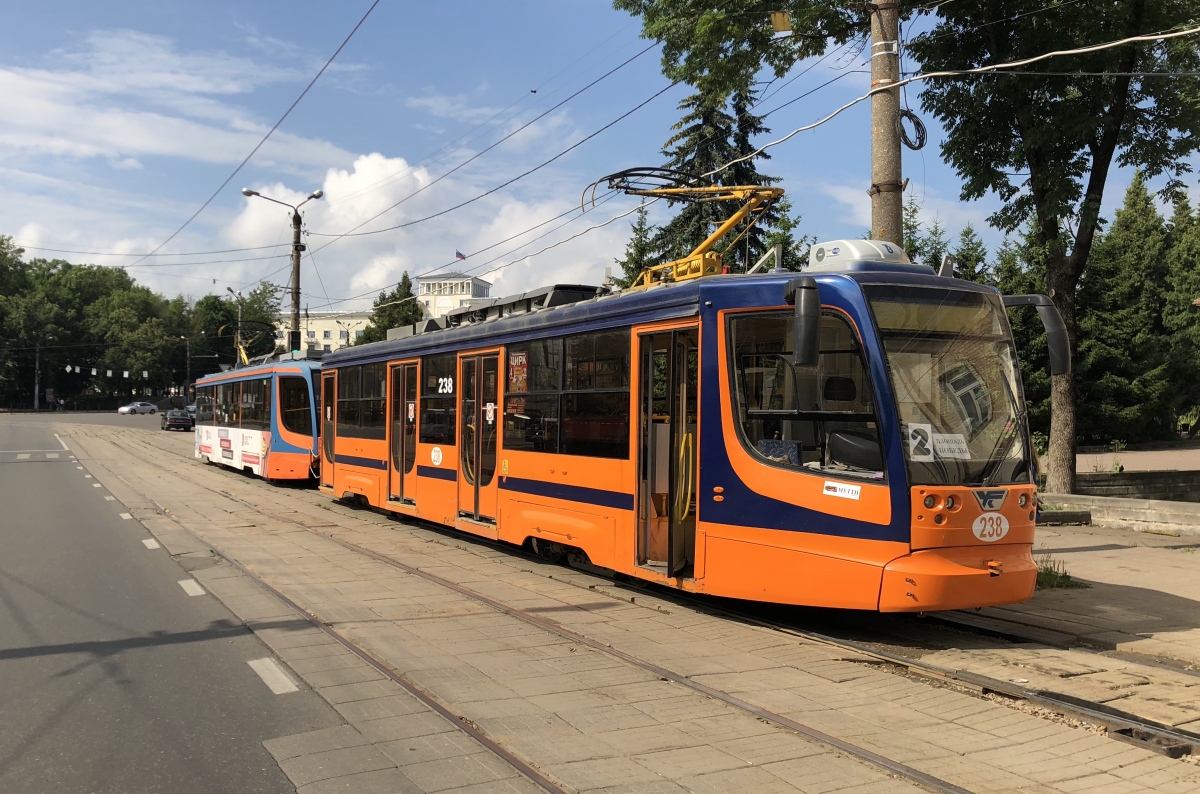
(137, 408)
(191, 409)
(177, 419)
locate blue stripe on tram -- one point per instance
(570, 493)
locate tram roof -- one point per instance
(286, 365)
(658, 303)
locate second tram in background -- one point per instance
(261, 418)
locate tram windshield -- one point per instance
(954, 375)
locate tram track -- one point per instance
(1125, 727)
(883, 763)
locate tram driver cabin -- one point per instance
(853, 436)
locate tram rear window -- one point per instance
(294, 407)
(439, 390)
(821, 418)
(360, 401)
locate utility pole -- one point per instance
(37, 372)
(297, 248)
(887, 187)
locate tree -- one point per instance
(1042, 140)
(392, 310)
(639, 251)
(1123, 366)
(708, 136)
(1181, 317)
(971, 258)
(783, 232)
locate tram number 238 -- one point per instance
(445, 385)
(990, 527)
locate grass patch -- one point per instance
(1052, 574)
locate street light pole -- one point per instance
(297, 248)
(37, 372)
(237, 331)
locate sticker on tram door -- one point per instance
(842, 489)
(990, 527)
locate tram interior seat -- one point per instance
(854, 443)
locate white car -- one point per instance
(137, 408)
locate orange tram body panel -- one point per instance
(669, 434)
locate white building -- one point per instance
(448, 291)
(324, 331)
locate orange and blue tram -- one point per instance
(851, 436)
(261, 418)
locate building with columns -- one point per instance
(445, 292)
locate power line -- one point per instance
(471, 159)
(958, 73)
(123, 253)
(269, 132)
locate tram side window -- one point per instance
(570, 397)
(439, 393)
(204, 405)
(595, 406)
(360, 400)
(252, 405)
(531, 395)
(228, 404)
(295, 411)
(821, 418)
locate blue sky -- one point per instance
(122, 118)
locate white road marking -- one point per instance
(79, 467)
(191, 587)
(126, 516)
(64, 444)
(151, 543)
(28, 450)
(23, 456)
(87, 476)
(95, 484)
(110, 498)
(273, 676)
(51, 456)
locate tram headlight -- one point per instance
(930, 501)
(1023, 500)
(950, 502)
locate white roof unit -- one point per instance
(839, 254)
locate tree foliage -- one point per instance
(56, 314)
(392, 310)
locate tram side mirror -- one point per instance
(1056, 331)
(806, 330)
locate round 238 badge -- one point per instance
(435, 456)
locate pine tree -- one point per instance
(392, 310)
(708, 137)
(783, 232)
(639, 251)
(1181, 318)
(971, 258)
(1123, 364)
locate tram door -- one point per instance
(668, 457)
(327, 416)
(402, 432)
(479, 419)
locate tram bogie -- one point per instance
(853, 436)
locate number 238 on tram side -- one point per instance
(852, 436)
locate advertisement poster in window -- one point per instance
(518, 371)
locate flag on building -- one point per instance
(458, 254)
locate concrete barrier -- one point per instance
(1173, 486)
(1146, 515)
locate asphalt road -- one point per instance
(113, 678)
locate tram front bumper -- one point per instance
(958, 578)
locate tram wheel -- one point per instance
(548, 550)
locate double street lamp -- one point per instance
(297, 248)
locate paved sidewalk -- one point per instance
(583, 717)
